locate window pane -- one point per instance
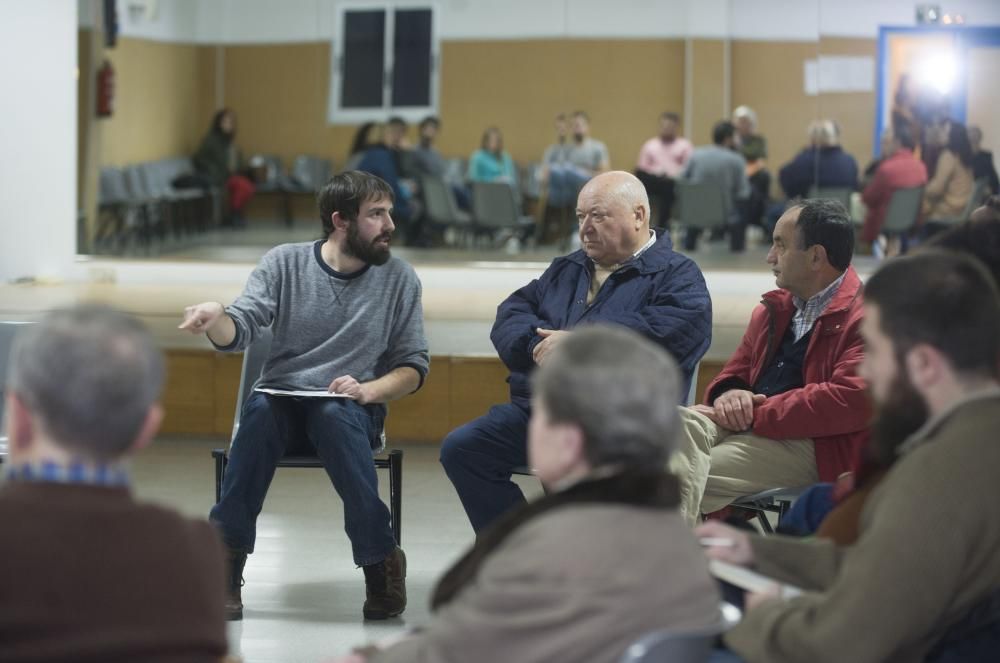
(364, 59)
(411, 76)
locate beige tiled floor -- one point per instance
(303, 594)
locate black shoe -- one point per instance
(385, 587)
(235, 561)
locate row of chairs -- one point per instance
(139, 207)
(496, 211)
(307, 175)
(702, 205)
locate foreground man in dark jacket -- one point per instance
(89, 573)
(625, 274)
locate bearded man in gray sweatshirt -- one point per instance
(346, 318)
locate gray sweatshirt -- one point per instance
(327, 324)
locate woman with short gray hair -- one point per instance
(605, 556)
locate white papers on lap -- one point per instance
(749, 580)
(301, 392)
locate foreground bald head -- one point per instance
(613, 213)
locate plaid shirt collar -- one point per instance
(807, 312)
(76, 472)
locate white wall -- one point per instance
(263, 21)
(38, 135)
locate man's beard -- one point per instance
(902, 413)
(368, 253)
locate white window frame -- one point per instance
(336, 114)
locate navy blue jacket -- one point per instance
(836, 168)
(661, 294)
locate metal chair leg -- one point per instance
(396, 493)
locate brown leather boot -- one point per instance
(385, 587)
(235, 561)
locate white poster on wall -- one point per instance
(839, 73)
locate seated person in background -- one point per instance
(218, 161)
(584, 157)
(426, 160)
(833, 511)
(932, 359)
(537, 586)
(89, 573)
(346, 317)
(788, 408)
(661, 161)
(625, 274)
(823, 164)
(367, 136)
(982, 161)
(753, 147)
(490, 163)
(556, 153)
(385, 161)
(949, 190)
(899, 169)
(721, 164)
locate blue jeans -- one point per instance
(479, 457)
(809, 510)
(565, 183)
(724, 656)
(341, 432)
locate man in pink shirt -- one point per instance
(899, 169)
(661, 160)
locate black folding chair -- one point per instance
(296, 456)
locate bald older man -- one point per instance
(624, 274)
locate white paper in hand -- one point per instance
(301, 392)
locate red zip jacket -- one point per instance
(833, 407)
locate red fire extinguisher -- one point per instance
(105, 90)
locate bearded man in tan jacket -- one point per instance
(932, 358)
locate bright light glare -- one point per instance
(938, 71)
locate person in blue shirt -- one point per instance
(490, 163)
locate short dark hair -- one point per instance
(397, 121)
(430, 120)
(722, 130)
(345, 192)
(944, 299)
(979, 238)
(669, 115)
(901, 133)
(90, 374)
(826, 222)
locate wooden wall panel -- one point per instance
(423, 416)
(189, 393)
(707, 103)
(854, 112)
(519, 86)
(279, 92)
(161, 108)
(477, 384)
(226, 380)
(768, 77)
(200, 395)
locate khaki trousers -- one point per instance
(715, 466)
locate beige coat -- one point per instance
(576, 584)
(949, 190)
(927, 553)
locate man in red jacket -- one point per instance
(899, 169)
(788, 409)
